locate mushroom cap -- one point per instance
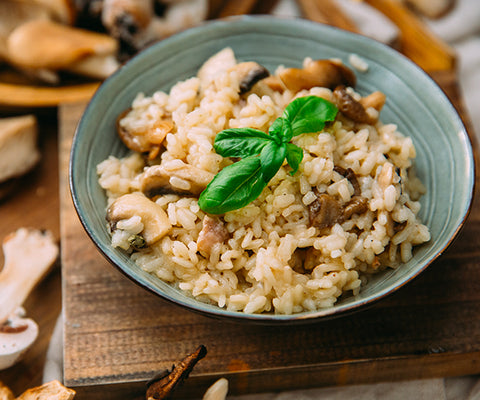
(14, 344)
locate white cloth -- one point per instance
(461, 29)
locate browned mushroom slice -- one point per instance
(350, 107)
(325, 211)
(321, 73)
(351, 176)
(357, 205)
(145, 141)
(312, 255)
(178, 178)
(249, 74)
(213, 233)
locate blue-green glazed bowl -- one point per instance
(415, 103)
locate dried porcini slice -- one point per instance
(164, 384)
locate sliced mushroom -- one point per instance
(14, 13)
(146, 141)
(325, 211)
(16, 338)
(179, 178)
(350, 107)
(357, 205)
(213, 233)
(164, 384)
(321, 73)
(30, 46)
(249, 74)
(18, 146)
(29, 255)
(351, 176)
(155, 220)
(312, 255)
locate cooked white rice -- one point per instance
(273, 259)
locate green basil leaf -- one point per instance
(271, 158)
(309, 114)
(281, 130)
(294, 157)
(240, 142)
(233, 187)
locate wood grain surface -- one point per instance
(117, 336)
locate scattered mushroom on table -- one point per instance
(29, 255)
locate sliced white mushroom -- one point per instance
(29, 255)
(155, 220)
(15, 339)
(31, 46)
(18, 146)
(177, 177)
(14, 13)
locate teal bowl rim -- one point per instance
(268, 318)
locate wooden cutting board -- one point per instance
(117, 335)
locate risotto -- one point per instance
(311, 235)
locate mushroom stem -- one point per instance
(29, 254)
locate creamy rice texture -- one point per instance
(268, 256)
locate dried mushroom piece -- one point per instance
(149, 140)
(321, 73)
(163, 385)
(154, 219)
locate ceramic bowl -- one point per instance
(415, 103)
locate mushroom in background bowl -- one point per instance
(443, 163)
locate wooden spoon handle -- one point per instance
(327, 12)
(416, 41)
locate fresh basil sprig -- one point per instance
(262, 154)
